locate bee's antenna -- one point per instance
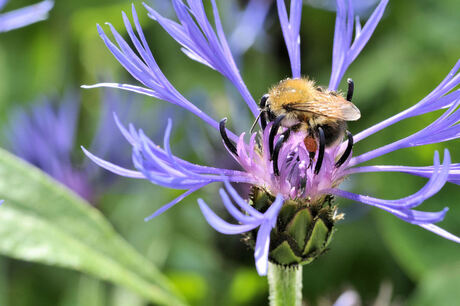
(351, 89)
(274, 130)
(347, 152)
(223, 133)
(322, 143)
(261, 122)
(262, 114)
(283, 138)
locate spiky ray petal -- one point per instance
(206, 43)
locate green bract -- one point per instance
(303, 230)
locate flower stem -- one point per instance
(285, 285)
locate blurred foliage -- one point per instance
(60, 229)
(411, 51)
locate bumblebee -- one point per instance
(298, 104)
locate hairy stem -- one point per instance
(285, 285)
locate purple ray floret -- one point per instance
(291, 32)
(443, 129)
(427, 171)
(24, 16)
(402, 208)
(346, 49)
(202, 43)
(45, 137)
(249, 221)
(277, 160)
(443, 96)
(161, 167)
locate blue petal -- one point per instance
(113, 168)
(238, 215)
(172, 203)
(441, 232)
(241, 202)
(25, 16)
(262, 248)
(291, 32)
(344, 51)
(220, 225)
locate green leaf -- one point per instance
(42, 221)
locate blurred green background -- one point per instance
(374, 253)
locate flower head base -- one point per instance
(303, 229)
(293, 174)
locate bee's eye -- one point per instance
(263, 101)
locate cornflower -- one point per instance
(289, 216)
(24, 16)
(45, 135)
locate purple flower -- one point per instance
(276, 159)
(24, 16)
(45, 135)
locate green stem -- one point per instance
(285, 285)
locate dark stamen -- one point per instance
(263, 120)
(291, 156)
(283, 138)
(223, 133)
(347, 152)
(322, 143)
(303, 185)
(351, 89)
(275, 127)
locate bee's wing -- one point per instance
(329, 106)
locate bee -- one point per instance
(299, 104)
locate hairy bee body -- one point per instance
(306, 106)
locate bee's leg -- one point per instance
(283, 138)
(351, 89)
(227, 141)
(347, 152)
(271, 137)
(322, 146)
